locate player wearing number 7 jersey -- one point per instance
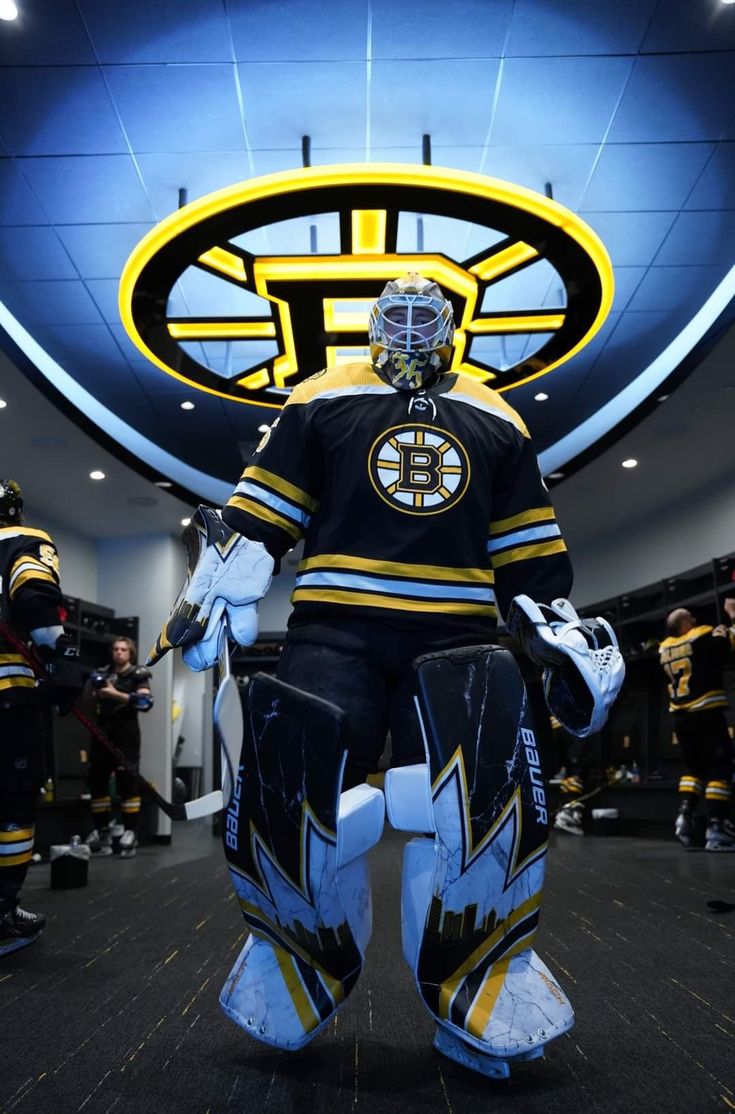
(692, 657)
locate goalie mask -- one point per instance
(11, 503)
(583, 667)
(411, 329)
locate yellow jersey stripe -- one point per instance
(270, 479)
(24, 532)
(714, 699)
(393, 603)
(397, 568)
(16, 837)
(526, 552)
(30, 574)
(538, 514)
(16, 860)
(695, 632)
(249, 506)
(18, 682)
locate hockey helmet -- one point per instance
(11, 502)
(411, 329)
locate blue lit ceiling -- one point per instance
(107, 111)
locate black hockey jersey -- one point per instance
(693, 663)
(30, 597)
(416, 508)
(130, 680)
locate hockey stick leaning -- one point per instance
(188, 810)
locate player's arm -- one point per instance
(33, 589)
(278, 492)
(231, 553)
(525, 545)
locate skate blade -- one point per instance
(22, 942)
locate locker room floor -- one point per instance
(115, 1008)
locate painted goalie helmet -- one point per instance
(411, 329)
(11, 502)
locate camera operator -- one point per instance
(118, 692)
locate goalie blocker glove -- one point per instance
(227, 575)
(583, 667)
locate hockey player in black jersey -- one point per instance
(692, 657)
(118, 692)
(30, 599)
(418, 495)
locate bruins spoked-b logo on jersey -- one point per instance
(419, 469)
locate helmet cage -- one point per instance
(411, 323)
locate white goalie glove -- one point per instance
(227, 575)
(583, 667)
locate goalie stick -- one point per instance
(187, 810)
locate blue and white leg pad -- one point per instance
(296, 849)
(472, 892)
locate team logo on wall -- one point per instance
(419, 469)
(206, 301)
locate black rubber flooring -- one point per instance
(115, 1008)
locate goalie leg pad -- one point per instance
(295, 849)
(471, 896)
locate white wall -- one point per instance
(142, 576)
(77, 553)
(676, 538)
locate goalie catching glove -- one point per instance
(227, 575)
(583, 667)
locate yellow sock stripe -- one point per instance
(393, 603)
(526, 552)
(449, 987)
(691, 785)
(249, 506)
(717, 794)
(538, 514)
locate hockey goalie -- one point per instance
(418, 495)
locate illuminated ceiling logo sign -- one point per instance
(313, 309)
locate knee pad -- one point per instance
(296, 851)
(472, 892)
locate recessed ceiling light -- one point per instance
(97, 475)
(185, 521)
(555, 476)
(3, 404)
(263, 428)
(728, 1)
(662, 398)
(187, 405)
(631, 462)
(8, 10)
(163, 483)
(541, 397)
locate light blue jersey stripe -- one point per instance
(16, 848)
(394, 587)
(16, 671)
(245, 487)
(523, 537)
